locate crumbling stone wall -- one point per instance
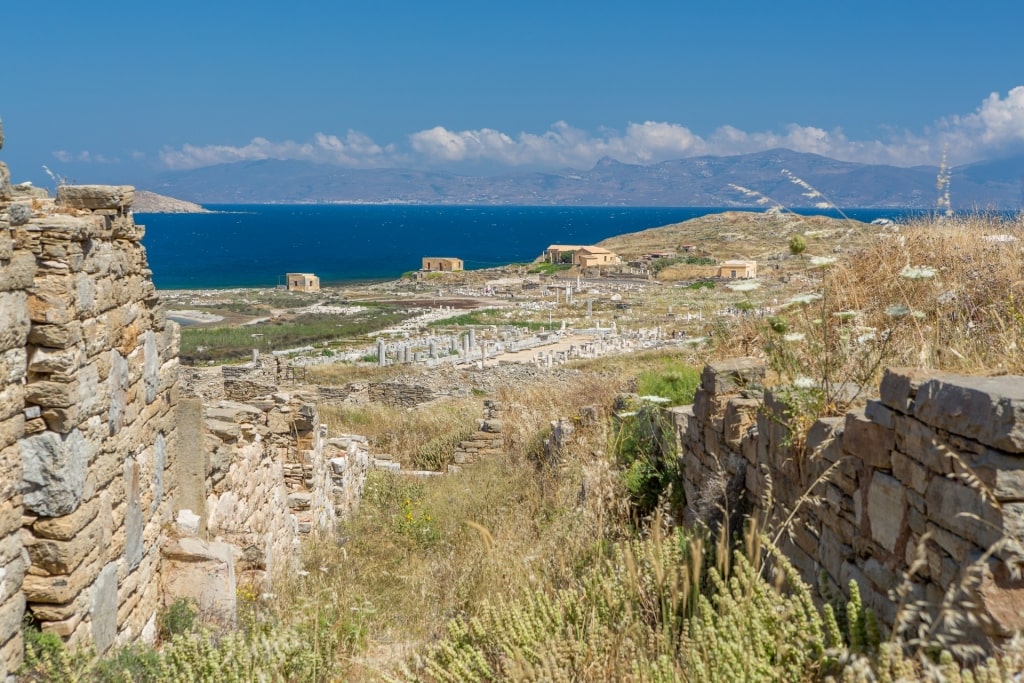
(933, 470)
(88, 368)
(487, 440)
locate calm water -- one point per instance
(255, 245)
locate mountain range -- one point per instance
(695, 181)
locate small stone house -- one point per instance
(588, 257)
(443, 264)
(737, 269)
(303, 282)
(556, 252)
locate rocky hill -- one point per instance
(150, 202)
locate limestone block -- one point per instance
(729, 376)
(56, 336)
(60, 590)
(6, 242)
(49, 394)
(133, 522)
(12, 654)
(65, 527)
(47, 360)
(201, 571)
(11, 614)
(62, 557)
(5, 182)
(96, 196)
(18, 272)
(14, 319)
(54, 471)
(103, 611)
(868, 441)
(987, 409)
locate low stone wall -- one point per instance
(260, 377)
(929, 475)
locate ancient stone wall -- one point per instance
(88, 367)
(487, 440)
(929, 475)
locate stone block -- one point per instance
(879, 414)
(899, 387)
(14, 319)
(910, 472)
(963, 511)
(1002, 598)
(1001, 473)
(740, 414)
(11, 613)
(922, 443)
(103, 611)
(56, 336)
(887, 509)
(61, 589)
(202, 571)
(62, 557)
(65, 528)
(48, 394)
(732, 375)
(868, 441)
(96, 196)
(18, 272)
(989, 410)
(54, 472)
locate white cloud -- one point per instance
(84, 156)
(995, 127)
(355, 149)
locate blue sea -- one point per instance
(255, 245)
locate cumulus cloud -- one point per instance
(995, 127)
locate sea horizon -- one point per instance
(255, 245)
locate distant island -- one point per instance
(706, 181)
(150, 202)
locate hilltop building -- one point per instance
(588, 257)
(303, 282)
(443, 264)
(737, 269)
(580, 255)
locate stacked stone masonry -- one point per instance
(117, 494)
(487, 440)
(930, 474)
(88, 366)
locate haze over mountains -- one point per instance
(696, 181)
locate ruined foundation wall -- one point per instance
(933, 470)
(88, 366)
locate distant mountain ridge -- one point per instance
(695, 181)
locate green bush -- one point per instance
(676, 381)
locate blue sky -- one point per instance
(114, 91)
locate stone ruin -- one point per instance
(931, 475)
(119, 493)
